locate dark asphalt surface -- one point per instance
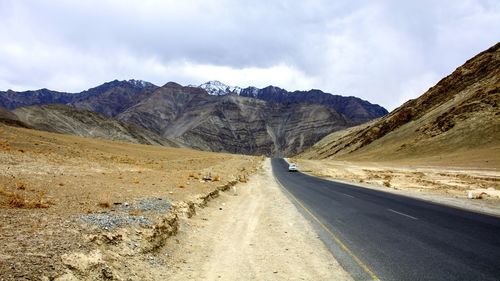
(397, 237)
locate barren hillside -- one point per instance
(69, 120)
(456, 122)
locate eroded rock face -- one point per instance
(232, 123)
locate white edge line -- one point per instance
(402, 214)
(349, 195)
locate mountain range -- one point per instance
(233, 123)
(458, 116)
(355, 109)
(211, 116)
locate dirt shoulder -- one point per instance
(445, 185)
(256, 235)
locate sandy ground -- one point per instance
(256, 235)
(48, 182)
(441, 184)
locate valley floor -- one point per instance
(440, 184)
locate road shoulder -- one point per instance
(256, 235)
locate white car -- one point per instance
(292, 167)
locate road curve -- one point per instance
(392, 237)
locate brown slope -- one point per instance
(232, 123)
(69, 120)
(458, 118)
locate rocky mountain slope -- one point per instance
(69, 120)
(232, 123)
(458, 118)
(355, 109)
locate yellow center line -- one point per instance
(333, 236)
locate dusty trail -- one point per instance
(256, 235)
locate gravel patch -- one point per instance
(121, 216)
(107, 221)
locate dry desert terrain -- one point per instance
(61, 195)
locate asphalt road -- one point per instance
(385, 236)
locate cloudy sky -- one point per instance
(384, 51)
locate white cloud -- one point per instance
(382, 51)
(414, 87)
(283, 76)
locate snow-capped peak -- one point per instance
(218, 88)
(139, 83)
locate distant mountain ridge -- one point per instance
(113, 97)
(355, 109)
(12, 99)
(211, 116)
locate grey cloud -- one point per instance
(383, 51)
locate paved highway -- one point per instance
(383, 236)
